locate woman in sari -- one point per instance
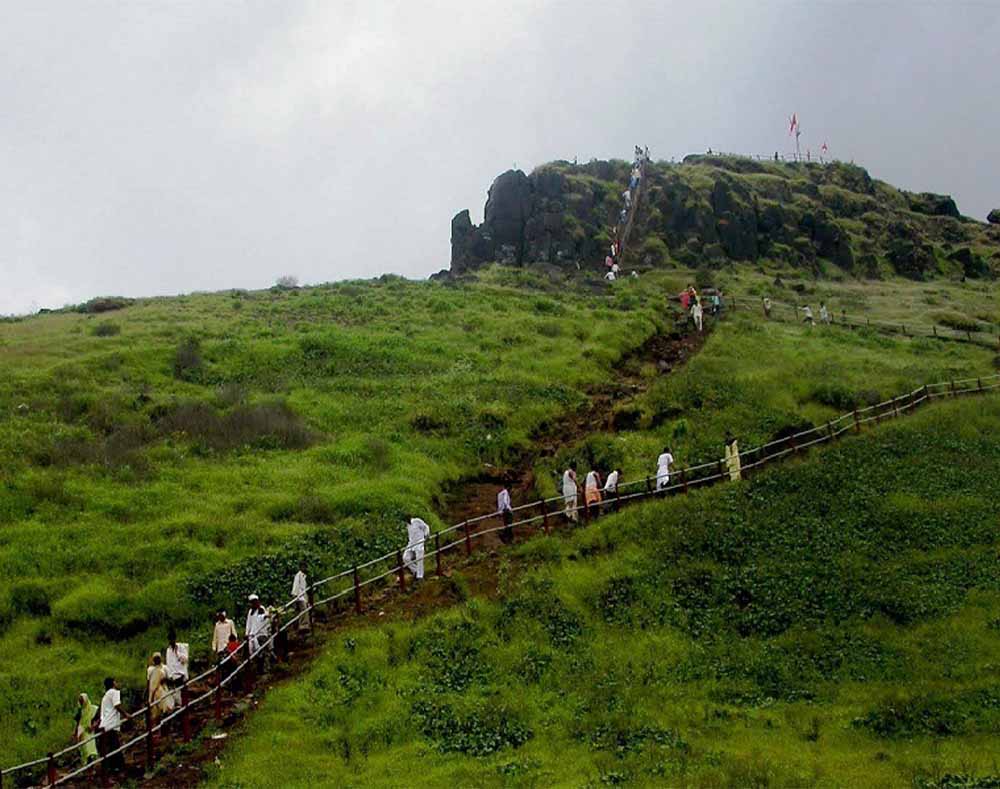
(82, 733)
(157, 693)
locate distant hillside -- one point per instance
(709, 210)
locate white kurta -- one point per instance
(417, 532)
(611, 483)
(663, 463)
(177, 662)
(569, 494)
(299, 587)
(503, 500)
(258, 629)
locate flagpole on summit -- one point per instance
(796, 129)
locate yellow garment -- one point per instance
(593, 496)
(733, 461)
(83, 733)
(158, 694)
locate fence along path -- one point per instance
(980, 337)
(350, 584)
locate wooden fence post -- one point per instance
(980, 382)
(935, 330)
(649, 487)
(150, 750)
(400, 570)
(545, 517)
(185, 713)
(684, 479)
(437, 552)
(357, 591)
(969, 335)
(857, 421)
(953, 393)
(618, 503)
(720, 469)
(468, 539)
(218, 693)
(794, 443)
(250, 672)
(829, 431)
(50, 769)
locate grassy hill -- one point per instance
(172, 456)
(833, 622)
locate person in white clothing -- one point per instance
(592, 491)
(112, 717)
(506, 515)
(824, 313)
(697, 315)
(176, 665)
(611, 483)
(258, 629)
(417, 532)
(663, 464)
(611, 276)
(569, 493)
(807, 315)
(300, 591)
(224, 627)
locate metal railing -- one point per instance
(349, 583)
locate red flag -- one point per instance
(792, 124)
(824, 149)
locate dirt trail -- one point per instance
(184, 765)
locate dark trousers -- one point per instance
(507, 535)
(107, 742)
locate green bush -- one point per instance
(99, 608)
(30, 598)
(106, 329)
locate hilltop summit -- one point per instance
(711, 209)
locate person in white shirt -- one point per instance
(224, 626)
(176, 665)
(592, 491)
(663, 464)
(506, 514)
(611, 276)
(808, 315)
(112, 717)
(417, 532)
(697, 314)
(824, 313)
(258, 629)
(611, 483)
(569, 493)
(300, 591)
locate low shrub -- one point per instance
(30, 598)
(482, 731)
(106, 329)
(188, 364)
(99, 608)
(956, 320)
(264, 426)
(104, 304)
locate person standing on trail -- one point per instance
(807, 315)
(300, 591)
(569, 493)
(733, 458)
(697, 315)
(112, 717)
(176, 665)
(83, 729)
(158, 697)
(716, 303)
(506, 515)
(824, 313)
(767, 306)
(685, 299)
(663, 464)
(417, 532)
(592, 491)
(611, 483)
(258, 629)
(224, 627)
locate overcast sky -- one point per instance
(165, 147)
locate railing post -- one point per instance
(649, 487)
(545, 517)
(935, 330)
(250, 672)
(218, 693)
(895, 406)
(50, 769)
(618, 500)
(927, 393)
(150, 750)
(829, 431)
(400, 570)
(586, 507)
(721, 470)
(185, 713)
(468, 539)
(969, 335)
(857, 421)
(437, 552)
(357, 591)
(794, 443)
(980, 382)
(953, 393)
(684, 479)
(904, 328)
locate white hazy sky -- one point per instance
(164, 147)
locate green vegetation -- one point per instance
(201, 449)
(200, 452)
(832, 622)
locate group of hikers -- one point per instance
(694, 309)
(613, 258)
(98, 728)
(807, 312)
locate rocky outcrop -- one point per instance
(714, 209)
(993, 217)
(932, 204)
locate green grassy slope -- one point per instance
(134, 496)
(832, 622)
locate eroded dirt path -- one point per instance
(184, 764)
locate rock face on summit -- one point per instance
(993, 217)
(708, 210)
